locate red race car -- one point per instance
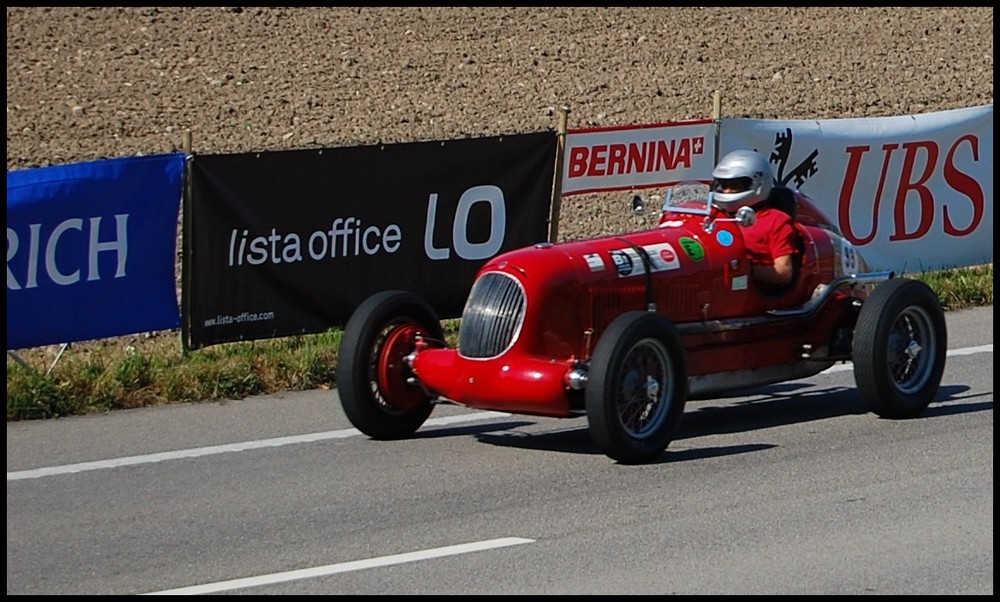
(624, 329)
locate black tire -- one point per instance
(899, 348)
(371, 374)
(636, 387)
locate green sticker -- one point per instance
(693, 248)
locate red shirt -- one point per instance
(772, 235)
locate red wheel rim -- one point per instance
(393, 371)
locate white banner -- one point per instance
(913, 193)
(636, 157)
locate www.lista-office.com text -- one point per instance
(240, 318)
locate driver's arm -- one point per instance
(780, 273)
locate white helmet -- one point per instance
(742, 178)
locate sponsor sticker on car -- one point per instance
(662, 256)
(594, 261)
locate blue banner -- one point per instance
(92, 249)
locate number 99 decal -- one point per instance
(848, 257)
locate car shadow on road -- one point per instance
(745, 411)
(791, 403)
(477, 430)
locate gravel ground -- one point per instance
(91, 83)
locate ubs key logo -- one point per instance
(780, 157)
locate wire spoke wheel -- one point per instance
(899, 348)
(637, 387)
(373, 380)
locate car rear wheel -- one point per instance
(371, 374)
(636, 387)
(899, 348)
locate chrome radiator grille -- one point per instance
(493, 316)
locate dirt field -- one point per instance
(94, 83)
(91, 83)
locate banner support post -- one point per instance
(556, 205)
(717, 118)
(186, 244)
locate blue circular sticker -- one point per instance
(725, 237)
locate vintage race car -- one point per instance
(625, 329)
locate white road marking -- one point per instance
(312, 437)
(952, 353)
(224, 449)
(343, 567)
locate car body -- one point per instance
(623, 329)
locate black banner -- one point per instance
(290, 242)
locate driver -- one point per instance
(743, 178)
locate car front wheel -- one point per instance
(372, 376)
(637, 387)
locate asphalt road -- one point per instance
(790, 489)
